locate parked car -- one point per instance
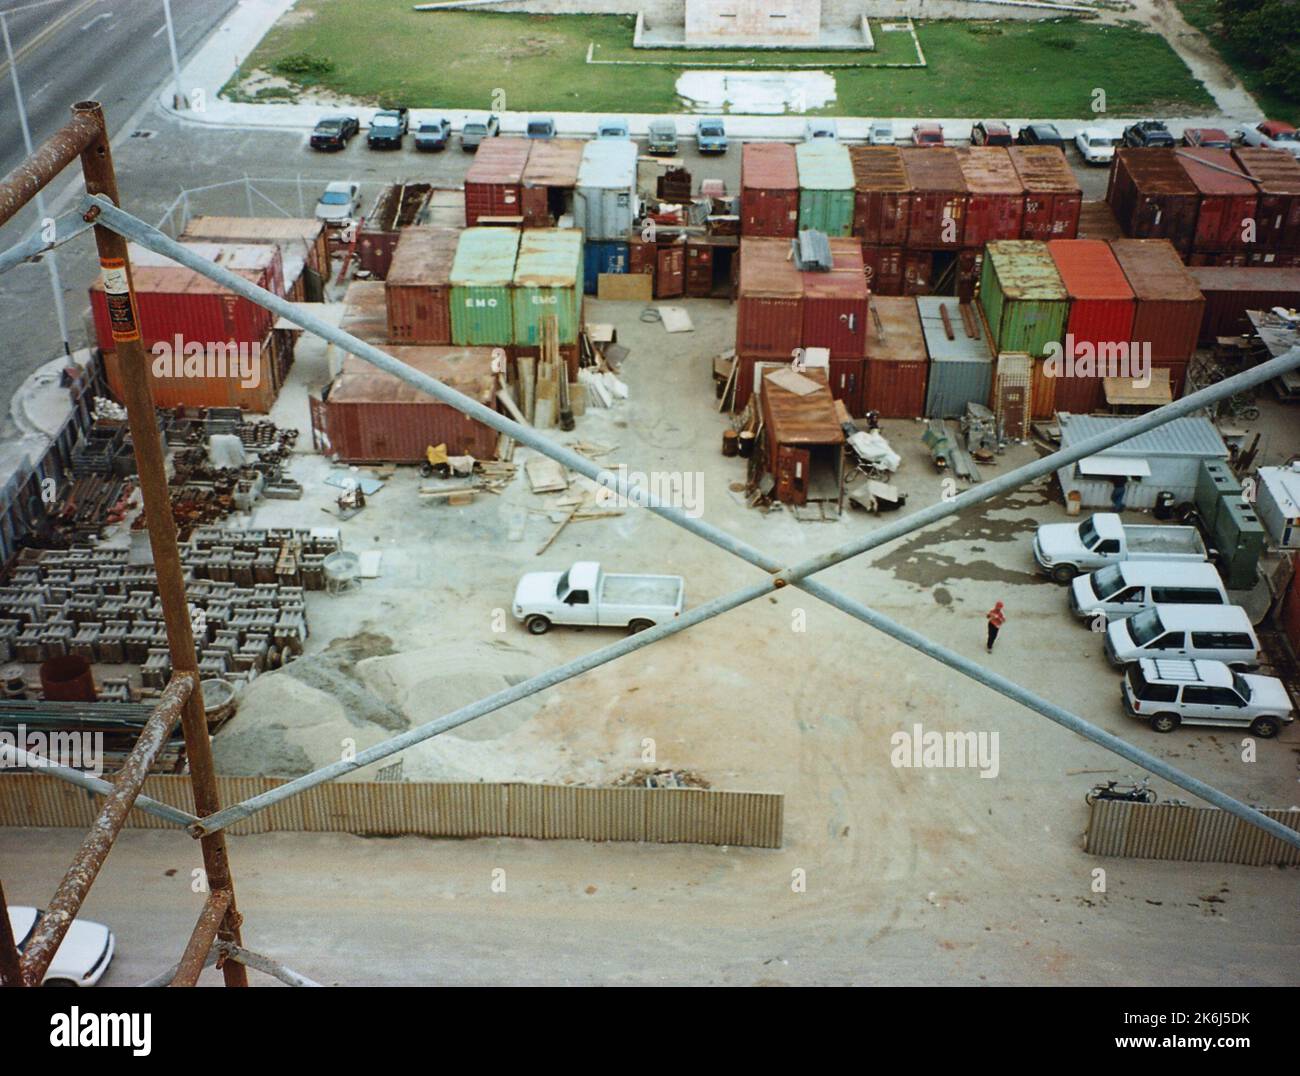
(990, 133)
(710, 136)
(586, 594)
(334, 132)
(927, 134)
(1207, 137)
(432, 136)
(1063, 550)
(880, 133)
(1147, 133)
(540, 127)
(820, 128)
(1169, 693)
(1272, 134)
(1041, 134)
(387, 128)
(661, 137)
(1215, 632)
(473, 133)
(1096, 145)
(339, 203)
(81, 958)
(612, 127)
(1120, 590)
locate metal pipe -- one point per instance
(41, 167)
(265, 965)
(11, 973)
(90, 857)
(205, 933)
(151, 467)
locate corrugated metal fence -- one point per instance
(1193, 834)
(544, 812)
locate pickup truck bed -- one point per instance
(1143, 539)
(641, 590)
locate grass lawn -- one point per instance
(1203, 14)
(383, 52)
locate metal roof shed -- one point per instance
(1166, 458)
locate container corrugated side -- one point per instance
(961, 366)
(417, 292)
(883, 267)
(1227, 219)
(239, 375)
(481, 278)
(1053, 196)
(1024, 301)
(1169, 304)
(897, 364)
(826, 195)
(604, 199)
(769, 189)
(996, 206)
(1230, 292)
(835, 303)
(881, 195)
(1100, 324)
(604, 256)
(769, 304)
(493, 182)
(938, 198)
(1152, 196)
(1277, 175)
(548, 282)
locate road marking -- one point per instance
(159, 30)
(94, 94)
(53, 28)
(98, 18)
(33, 96)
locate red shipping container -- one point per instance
(750, 369)
(1229, 201)
(551, 171)
(918, 267)
(884, 269)
(418, 287)
(996, 207)
(1152, 196)
(1289, 621)
(846, 383)
(835, 303)
(1277, 176)
(769, 309)
(494, 181)
(1230, 292)
(221, 385)
(1052, 195)
(699, 269)
(1267, 259)
(937, 202)
(881, 205)
(1169, 304)
(670, 270)
(1102, 307)
(897, 365)
(769, 189)
(969, 264)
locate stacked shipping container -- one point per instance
(548, 180)
(1153, 198)
(1277, 178)
(417, 290)
(769, 189)
(826, 195)
(769, 308)
(1052, 194)
(995, 208)
(961, 365)
(1168, 304)
(494, 182)
(1230, 292)
(482, 274)
(547, 283)
(881, 210)
(1226, 219)
(604, 201)
(896, 364)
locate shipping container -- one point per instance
(548, 283)
(1012, 386)
(969, 264)
(1042, 392)
(604, 256)
(481, 278)
(937, 202)
(417, 291)
(604, 201)
(264, 260)
(494, 181)
(804, 441)
(303, 241)
(1052, 194)
(835, 303)
(641, 256)
(884, 269)
(846, 376)
(699, 268)
(1022, 297)
(1229, 293)
(769, 189)
(549, 177)
(995, 208)
(749, 374)
(1277, 177)
(1227, 217)
(826, 195)
(369, 416)
(1097, 221)
(1152, 196)
(670, 270)
(769, 311)
(1169, 304)
(365, 312)
(398, 206)
(881, 202)
(918, 271)
(896, 363)
(961, 365)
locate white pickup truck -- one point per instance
(587, 595)
(1063, 550)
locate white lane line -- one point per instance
(159, 30)
(97, 18)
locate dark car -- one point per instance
(334, 132)
(1208, 137)
(1041, 134)
(387, 128)
(432, 136)
(1147, 133)
(990, 133)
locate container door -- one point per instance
(699, 270)
(533, 205)
(670, 272)
(846, 383)
(792, 466)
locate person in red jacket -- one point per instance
(996, 618)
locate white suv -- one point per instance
(1167, 693)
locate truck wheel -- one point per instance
(1265, 727)
(1165, 722)
(537, 625)
(639, 625)
(1063, 573)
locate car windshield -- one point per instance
(1145, 626)
(1087, 534)
(334, 198)
(562, 584)
(430, 128)
(711, 129)
(1107, 581)
(929, 136)
(539, 128)
(1240, 686)
(474, 128)
(384, 121)
(1287, 136)
(1100, 142)
(329, 125)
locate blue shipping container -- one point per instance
(602, 256)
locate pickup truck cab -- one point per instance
(1207, 137)
(585, 594)
(1272, 134)
(433, 135)
(475, 131)
(927, 134)
(1120, 590)
(1063, 550)
(1213, 632)
(710, 136)
(387, 128)
(1169, 693)
(880, 133)
(661, 137)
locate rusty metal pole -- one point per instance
(97, 165)
(10, 972)
(200, 944)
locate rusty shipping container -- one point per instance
(699, 268)
(769, 189)
(370, 416)
(835, 303)
(365, 311)
(1052, 195)
(494, 182)
(1230, 292)
(845, 377)
(938, 197)
(1277, 177)
(418, 289)
(996, 206)
(1169, 304)
(398, 206)
(881, 206)
(897, 365)
(1097, 221)
(1022, 297)
(1227, 217)
(548, 179)
(884, 269)
(918, 271)
(1152, 196)
(303, 238)
(769, 311)
(670, 270)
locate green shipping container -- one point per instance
(548, 281)
(826, 194)
(1023, 297)
(482, 276)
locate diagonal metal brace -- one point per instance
(53, 232)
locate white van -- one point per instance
(1120, 590)
(1213, 632)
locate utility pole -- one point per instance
(179, 99)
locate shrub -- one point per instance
(303, 63)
